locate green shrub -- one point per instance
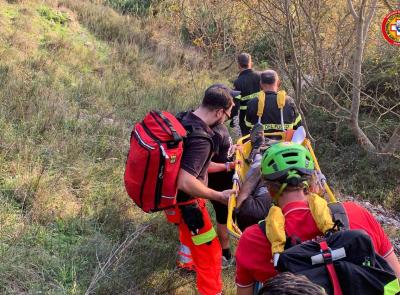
(349, 169)
(262, 49)
(138, 7)
(55, 17)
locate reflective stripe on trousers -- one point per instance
(204, 237)
(184, 254)
(207, 257)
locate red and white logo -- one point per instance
(391, 27)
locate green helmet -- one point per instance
(286, 162)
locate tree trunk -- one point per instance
(394, 142)
(361, 137)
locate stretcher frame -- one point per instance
(242, 167)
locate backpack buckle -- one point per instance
(326, 252)
(171, 144)
(327, 256)
(276, 259)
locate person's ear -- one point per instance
(272, 191)
(279, 83)
(272, 188)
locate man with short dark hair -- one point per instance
(271, 118)
(248, 83)
(195, 228)
(287, 283)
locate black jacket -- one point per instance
(248, 83)
(255, 207)
(271, 118)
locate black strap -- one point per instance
(193, 131)
(175, 135)
(179, 116)
(261, 224)
(339, 215)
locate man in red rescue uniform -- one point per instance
(254, 256)
(195, 228)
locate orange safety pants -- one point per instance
(207, 257)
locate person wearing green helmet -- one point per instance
(287, 170)
(286, 166)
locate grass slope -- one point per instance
(74, 76)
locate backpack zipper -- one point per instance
(160, 176)
(141, 142)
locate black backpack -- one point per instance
(342, 262)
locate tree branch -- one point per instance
(368, 19)
(390, 7)
(351, 7)
(323, 91)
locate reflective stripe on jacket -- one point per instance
(271, 118)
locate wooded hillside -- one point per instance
(76, 74)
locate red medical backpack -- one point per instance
(153, 161)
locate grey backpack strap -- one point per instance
(339, 214)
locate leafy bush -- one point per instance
(138, 7)
(350, 170)
(56, 17)
(217, 27)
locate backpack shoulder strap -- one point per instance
(281, 99)
(339, 214)
(179, 116)
(198, 132)
(275, 229)
(261, 104)
(192, 131)
(261, 225)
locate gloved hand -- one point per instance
(192, 216)
(321, 178)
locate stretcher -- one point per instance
(243, 164)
